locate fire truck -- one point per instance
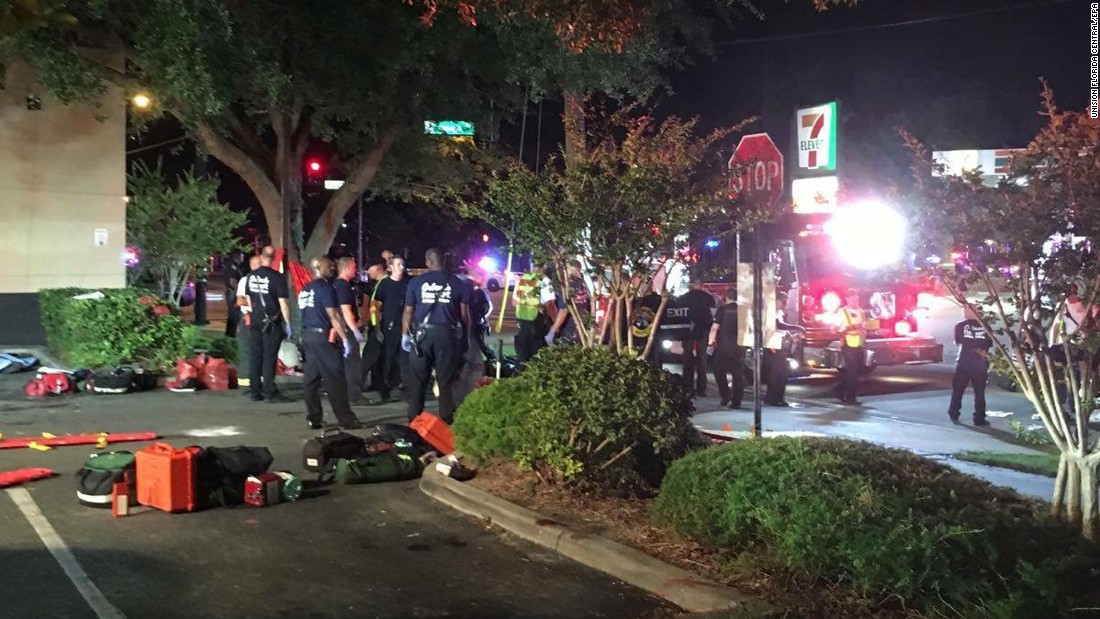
(818, 261)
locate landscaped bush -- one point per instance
(126, 325)
(492, 419)
(886, 522)
(583, 415)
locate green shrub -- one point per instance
(217, 345)
(491, 421)
(885, 522)
(587, 415)
(127, 325)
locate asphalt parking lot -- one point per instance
(383, 550)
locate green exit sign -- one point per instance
(448, 127)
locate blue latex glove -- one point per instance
(550, 338)
(347, 348)
(287, 331)
(406, 343)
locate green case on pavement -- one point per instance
(385, 466)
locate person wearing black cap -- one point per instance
(324, 337)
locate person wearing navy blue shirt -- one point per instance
(348, 309)
(267, 295)
(324, 361)
(433, 328)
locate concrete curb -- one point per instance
(681, 587)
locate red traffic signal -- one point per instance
(314, 166)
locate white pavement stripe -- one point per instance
(60, 551)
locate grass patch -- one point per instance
(1039, 464)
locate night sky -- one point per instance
(970, 81)
(956, 73)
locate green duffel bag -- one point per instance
(101, 471)
(385, 466)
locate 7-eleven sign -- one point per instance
(816, 128)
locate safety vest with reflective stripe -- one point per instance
(527, 297)
(853, 320)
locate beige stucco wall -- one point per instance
(62, 177)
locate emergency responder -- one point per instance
(700, 307)
(324, 365)
(971, 366)
(729, 356)
(564, 328)
(1073, 316)
(344, 286)
(776, 372)
(534, 301)
(433, 330)
(244, 334)
(234, 273)
(388, 302)
(853, 335)
(267, 294)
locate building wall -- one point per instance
(62, 178)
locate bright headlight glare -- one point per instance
(867, 235)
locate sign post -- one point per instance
(756, 176)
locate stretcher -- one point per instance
(75, 439)
(18, 476)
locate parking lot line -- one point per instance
(64, 556)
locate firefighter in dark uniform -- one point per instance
(853, 336)
(434, 330)
(267, 294)
(348, 309)
(729, 357)
(971, 367)
(326, 342)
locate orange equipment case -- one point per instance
(435, 431)
(166, 477)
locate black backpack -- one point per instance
(393, 432)
(320, 453)
(220, 473)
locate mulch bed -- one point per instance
(627, 521)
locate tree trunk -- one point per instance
(1075, 494)
(324, 231)
(573, 119)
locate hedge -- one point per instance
(582, 415)
(885, 522)
(126, 325)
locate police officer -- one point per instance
(971, 367)
(851, 348)
(433, 328)
(729, 356)
(324, 365)
(344, 286)
(270, 318)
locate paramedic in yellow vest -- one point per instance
(853, 336)
(532, 294)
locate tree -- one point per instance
(1030, 239)
(177, 229)
(622, 203)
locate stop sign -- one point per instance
(756, 169)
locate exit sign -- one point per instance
(448, 127)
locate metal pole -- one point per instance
(757, 327)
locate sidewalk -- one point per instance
(935, 437)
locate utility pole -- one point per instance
(757, 326)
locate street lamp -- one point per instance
(142, 101)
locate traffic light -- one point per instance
(314, 166)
